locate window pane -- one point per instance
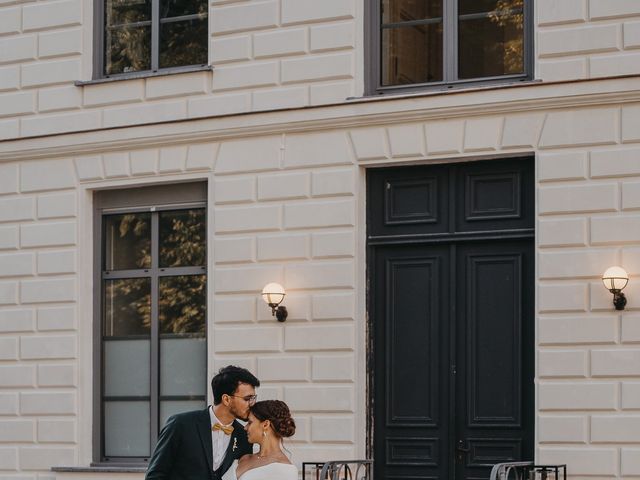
(183, 236)
(182, 304)
(177, 8)
(412, 54)
(183, 43)
(127, 429)
(127, 368)
(127, 307)
(121, 12)
(482, 6)
(394, 11)
(128, 241)
(128, 49)
(168, 408)
(183, 366)
(492, 45)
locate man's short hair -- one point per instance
(226, 381)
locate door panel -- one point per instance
(494, 355)
(412, 310)
(498, 196)
(410, 408)
(492, 324)
(451, 269)
(408, 204)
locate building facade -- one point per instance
(440, 222)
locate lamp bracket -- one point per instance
(280, 312)
(619, 300)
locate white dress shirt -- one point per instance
(219, 439)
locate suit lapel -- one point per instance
(229, 454)
(204, 430)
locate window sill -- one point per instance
(138, 75)
(445, 90)
(100, 469)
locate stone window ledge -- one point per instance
(100, 469)
(137, 75)
(449, 89)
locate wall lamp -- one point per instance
(273, 294)
(615, 279)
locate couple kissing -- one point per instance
(211, 444)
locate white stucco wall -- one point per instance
(580, 39)
(286, 203)
(287, 206)
(266, 54)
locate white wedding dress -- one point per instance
(271, 471)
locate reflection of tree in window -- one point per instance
(182, 304)
(510, 14)
(491, 38)
(181, 39)
(183, 32)
(181, 297)
(127, 36)
(127, 307)
(181, 43)
(133, 247)
(411, 41)
(182, 238)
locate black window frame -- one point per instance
(373, 54)
(99, 54)
(153, 200)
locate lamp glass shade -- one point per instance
(273, 293)
(615, 278)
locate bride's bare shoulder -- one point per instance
(245, 461)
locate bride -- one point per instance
(269, 422)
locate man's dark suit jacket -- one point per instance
(185, 451)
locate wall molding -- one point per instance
(351, 114)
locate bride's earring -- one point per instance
(264, 433)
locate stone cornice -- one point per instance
(487, 101)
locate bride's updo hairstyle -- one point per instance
(277, 412)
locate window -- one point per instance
(150, 314)
(441, 43)
(150, 35)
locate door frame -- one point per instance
(369, 302)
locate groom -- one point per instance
(202, 445)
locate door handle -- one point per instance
(461, 452)
(460, 447)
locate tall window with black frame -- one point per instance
(153, 323)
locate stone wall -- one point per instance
(266, 55)
(272, 54)
(579, 39)
(287, 203)
(288, 207)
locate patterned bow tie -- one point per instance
(227, 429)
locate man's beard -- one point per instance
(244, 416)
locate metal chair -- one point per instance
(528, 471)
(347, 470)
(501, 471)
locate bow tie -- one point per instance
(227, 429)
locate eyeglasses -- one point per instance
(248, 398)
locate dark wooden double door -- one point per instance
(451, 303)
